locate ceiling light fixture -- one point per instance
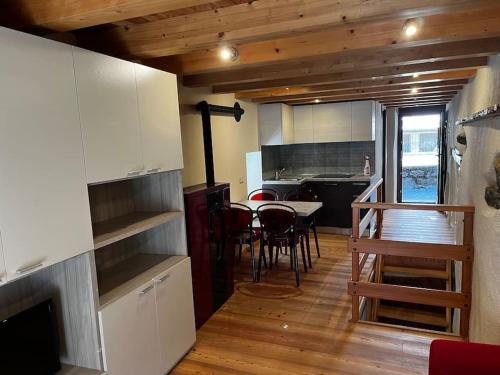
(229, 54)
(416, 75)
(414, 90)
(410, 27)
(316, 100)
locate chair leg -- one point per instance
(276, 255)
(241, 249)
(308, 248)
(316, 236)
(262, 255)
(303, 253)
(270, 247)
(293, 253)
(252, 259)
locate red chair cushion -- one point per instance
(462, 358)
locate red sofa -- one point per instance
(463, 358)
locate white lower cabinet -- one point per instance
(174, 304)
(148, 330)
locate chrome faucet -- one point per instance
(277, 173)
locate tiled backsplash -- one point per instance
(317, 158)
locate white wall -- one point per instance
(467, 187)
(231, 140)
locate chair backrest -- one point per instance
(277, 219)
(301, 195)
(263, 195)
(238, 218)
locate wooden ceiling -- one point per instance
(290, 51)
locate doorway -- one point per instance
(420, 169)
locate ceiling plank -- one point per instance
(457, 76)
(66, 15)
(422, 88)
(396, 71)
(470, 24)
(349, 60)
(262, 20)
(359, 94)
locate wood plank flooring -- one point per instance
(274, 328)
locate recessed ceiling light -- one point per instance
(416, 75)
(228, 54)
(410, 27)
(316, 100)
(414, 90)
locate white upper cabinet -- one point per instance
(303, 124)
(331, 122)
(363, 121)
(44, 206)
(275, 124)
(107, 96)
(3, 271)
(159, 118)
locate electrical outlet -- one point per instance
(242, 180)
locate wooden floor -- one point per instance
(274, 328)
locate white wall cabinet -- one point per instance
(148, 330)
(107, 97)
(332, 122)
(3, 271)
(174, 303)
(363, 121)
(275, 124)
(159, 119)
(129, 334)
(303, 124)
(44, 206)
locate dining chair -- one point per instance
(239, 220)
(278, 223)
(263, 195)
(305, 224)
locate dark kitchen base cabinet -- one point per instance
(337, 198)
(211, 256)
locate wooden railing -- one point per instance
(372, 244)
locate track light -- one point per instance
(229, 54)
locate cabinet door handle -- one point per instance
(135, 173)
(360, 184)
(153, 170)
(22, 270)
(331, 184)
(355, 196)
(144, 291)
(162, 279)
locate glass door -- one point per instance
(419, 162)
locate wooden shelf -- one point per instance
(131, 273)
(110, 231)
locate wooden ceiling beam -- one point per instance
(384, 72)
(423, 104)
(382, 98)
(465, 25)
(418, 100)
(262, 20)
(348, 61)
(66, 15)
(422, 87)
(457, 77)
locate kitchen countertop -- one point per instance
(307, 178)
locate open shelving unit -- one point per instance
(137, 225)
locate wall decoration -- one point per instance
(492, 193)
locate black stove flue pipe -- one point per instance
(217, 110)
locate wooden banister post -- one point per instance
(355, 263)
(466, 286)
